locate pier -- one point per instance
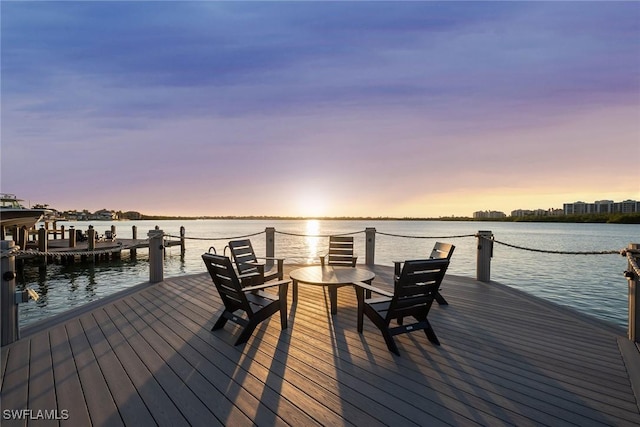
(147, 357)
(52, 245)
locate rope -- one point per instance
(425, 237)
(68, 253)
(10, 252)
(546, 251)
(633, 262)
(215, 238)
(319, 235)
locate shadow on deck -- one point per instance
(149, 358)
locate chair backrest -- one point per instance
(341, 250)
(417, 286)
(227, 282)
(442, 251)
(243, 253)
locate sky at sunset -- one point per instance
(420, 109)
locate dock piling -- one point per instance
(370, 245)
(9, 308)
(156, 251)
(634, 295)
(485, 252)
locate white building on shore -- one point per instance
(601, 207)
(489, 214)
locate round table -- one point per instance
(330, 276)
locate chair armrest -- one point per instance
(248, 275)
(266, 285)
(270, 258)
(396, 268)
(371, 288)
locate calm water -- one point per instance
(593, 284)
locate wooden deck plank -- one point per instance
(42, 391)
(171, 363)
(441, 389)
(231, 402)
(506, 359)
(248, 375)
(69, 392)
(161, 407)
(370, 391)
(188, 403)
(128, 401)
(15, 386)
(102, 408)
(4, 355)
(355, 409)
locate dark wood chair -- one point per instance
(340, 252)
(442, 251)
(251, 271)
(253, 301)
(414, 292)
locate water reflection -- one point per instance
(312, 228)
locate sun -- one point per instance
(311, 206)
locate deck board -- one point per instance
(149, 358)
(69, 392)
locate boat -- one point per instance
(13, 214)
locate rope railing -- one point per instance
(58, 254)
(424, 237)
(547, 251)
(215, 238)
(319, 235)
(632, 256)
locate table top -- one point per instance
(331, 275)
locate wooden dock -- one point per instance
(59, 248)
(148, 357)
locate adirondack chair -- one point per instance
(248, 265)
(253, 301)
(414, 292)
(442, 251)
(340, 252)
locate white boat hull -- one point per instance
(20, 217)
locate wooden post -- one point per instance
(370, 246)
(62, 232)
(14, 233)
(23, 237)
(91, 238)
(134, 235)
(8, 306)
(42, 239)
(271, 246)
(634, 295)
(72, 237)
(485, 252)
(55, 230)
(182, 234)
(91, 242)
(156, 249)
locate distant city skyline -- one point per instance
(403, 109)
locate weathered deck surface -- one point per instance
(149, 358)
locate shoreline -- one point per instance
(633, 218)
